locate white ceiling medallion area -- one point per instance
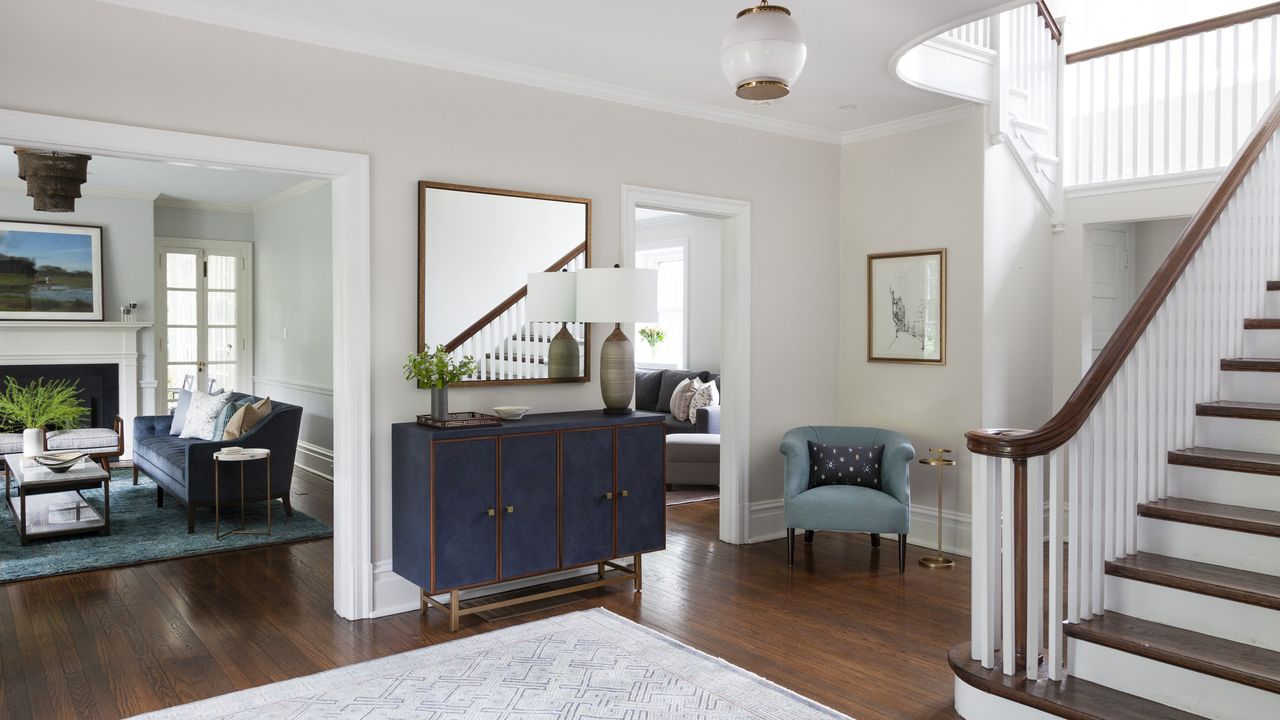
(606, 51)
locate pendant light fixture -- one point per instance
(763, 52)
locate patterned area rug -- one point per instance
(681, 494)
(141, 532)
(589, 665)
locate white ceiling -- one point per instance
(660, 53)
(181, 183)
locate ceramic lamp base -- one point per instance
(617, 372)
(563, 356)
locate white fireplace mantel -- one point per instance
(34, 342)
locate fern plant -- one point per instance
(438, 369)
(51, 405)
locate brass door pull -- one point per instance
(511, 509)
(624, 493)
(608, 496)
(490, 512)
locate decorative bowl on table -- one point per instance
(60, 462)
(512, 412)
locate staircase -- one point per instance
(1163, 472)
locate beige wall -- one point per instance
(916, 190)
(419, 123)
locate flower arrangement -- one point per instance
(40, 405)
(653, 335)
(437, 368)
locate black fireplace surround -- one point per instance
(99, 386)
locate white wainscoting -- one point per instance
(315, 440)
(768, 523)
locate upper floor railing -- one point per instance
(1176, 101)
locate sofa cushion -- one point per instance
(249, 415)
(670, 379)
(180, 412)
(10, 443)
(693, 447)
(705, 394)
(202, 415)
(167, 454)
(224, 417)
(648, 385)
(848, 508)
(682, 396)
(93, 439)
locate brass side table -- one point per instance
(939, 460)
(242, 457)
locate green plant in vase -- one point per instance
(38, 406)
(438, 369)
(653, 335)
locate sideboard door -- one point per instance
(586, 462)
(641, 489)
(530, 537)
(464, 533)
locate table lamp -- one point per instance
(617, 295)
(553, 298)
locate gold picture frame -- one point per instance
(907, 307)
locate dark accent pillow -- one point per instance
(648, 385)
(839, 465)
(670, 379)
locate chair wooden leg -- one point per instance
(159, 496)
(791, 546)
(135, 474)
(288, 506)
(808, 536)
(902, 554)
(875, 539)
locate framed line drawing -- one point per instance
(907, 307)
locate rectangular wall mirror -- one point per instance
(476, 248)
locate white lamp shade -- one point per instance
(617, 295)
(552, 297)
(763, 46)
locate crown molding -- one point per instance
(301, 188)
(180, 204)
(908, 124)
(263, 23)
(90, 191)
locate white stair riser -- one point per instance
(1271, 306)
(1229, 433)
(974, 704)
(1249, 386)
(1228, 548)
(1223, 486)
(1262, 343)
(1205, 614)
(1195, 692)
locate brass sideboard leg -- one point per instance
(636, 570)
(453, 611)
(599, 571)
(422, 602)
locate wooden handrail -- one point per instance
(514, 298)
(1050, 23)
(1175, 33)
(1067, 422)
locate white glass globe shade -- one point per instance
(763, 54)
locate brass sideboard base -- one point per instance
(456, 611)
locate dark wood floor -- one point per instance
(842, 628)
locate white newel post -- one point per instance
(81, 343)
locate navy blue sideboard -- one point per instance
(476, 506)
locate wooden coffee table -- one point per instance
(49, 503)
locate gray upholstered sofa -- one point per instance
(653, 393)
(183, 467)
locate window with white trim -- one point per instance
(670, 259)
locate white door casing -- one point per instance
(1111, 249)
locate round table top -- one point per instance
(242, 455)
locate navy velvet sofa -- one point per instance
(183, 467)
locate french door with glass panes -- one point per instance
(204, 311)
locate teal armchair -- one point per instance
(848, 508)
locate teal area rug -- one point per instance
(142, 532)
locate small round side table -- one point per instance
(242, 457)
(939, 460)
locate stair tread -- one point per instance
(1239, 409)
(1251, 364)
(1273, 284)
(1228, 583)
(1071, 698)
(1262, 323)
(1236, 460)
(1238, 662)
(1229, 517)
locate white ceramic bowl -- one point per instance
(512, 412)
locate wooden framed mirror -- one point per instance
(476, 249)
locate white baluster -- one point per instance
(1075, 511)
(1053, 655)
(1035, 561)
(1008, 587)
(981, 636)
(1084, 510)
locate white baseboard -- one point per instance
(766, 522)
(315, 460)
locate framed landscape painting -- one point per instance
(907, 307)
(50, 272)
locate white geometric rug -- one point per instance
(589, 665)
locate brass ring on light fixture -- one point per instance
(769, 90)
(764, 6)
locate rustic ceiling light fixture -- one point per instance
(53, 178)
(763, 52)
